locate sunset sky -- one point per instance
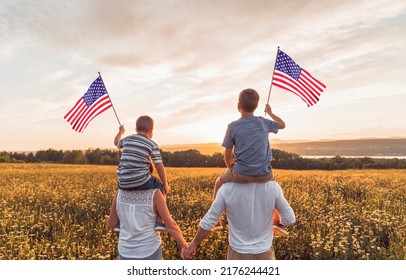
(184, 63)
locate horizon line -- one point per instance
(278, 141)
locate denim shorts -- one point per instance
(152, 183)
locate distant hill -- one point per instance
(358, 147)
(205, 148)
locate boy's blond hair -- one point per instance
(248, 100)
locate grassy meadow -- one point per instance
(54, 211)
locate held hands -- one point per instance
(189, 252)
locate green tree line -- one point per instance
(193, 158)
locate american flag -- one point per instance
(290, 76)
(94, 102)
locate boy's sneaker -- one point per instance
(117, 228)
(278, 231)
(160, 226)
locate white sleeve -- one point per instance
(213, 215)
(285, 210)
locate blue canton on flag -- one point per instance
(286, 65)
(94, 92)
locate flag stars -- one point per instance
(286, 65)
(95, 90)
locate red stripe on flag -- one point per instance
(319, 85)
(79, 112)
(77, 104)
(75, 109)
(94, 117)
(288, 89)
(308, 89)
(102, 103)
(283, 80)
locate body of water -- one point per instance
(383, 157)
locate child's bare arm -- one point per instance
(113, 218)
(277, 119)
(228, 157)
(171, 226)
(160, 168)
(119, 134)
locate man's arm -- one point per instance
(286, 214)
(160, 168)
(277, 119)
(201, 234)
(119, 135)
(207, 223)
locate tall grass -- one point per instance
(60, 212)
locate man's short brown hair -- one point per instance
(248, 99)
(144, 124)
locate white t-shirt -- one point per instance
(249, 210)
(135, 211)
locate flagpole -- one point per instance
(270, 88)
(110, 99)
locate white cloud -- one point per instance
(184, 62)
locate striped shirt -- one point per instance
(133, 170)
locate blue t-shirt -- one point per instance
(249, 136)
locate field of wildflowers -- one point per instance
(54, 211)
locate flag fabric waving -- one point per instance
(94, 102)
(290, 76)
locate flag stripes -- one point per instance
(94, 102)
(291, 77)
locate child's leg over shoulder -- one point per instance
(156, 184)
(227, 176)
